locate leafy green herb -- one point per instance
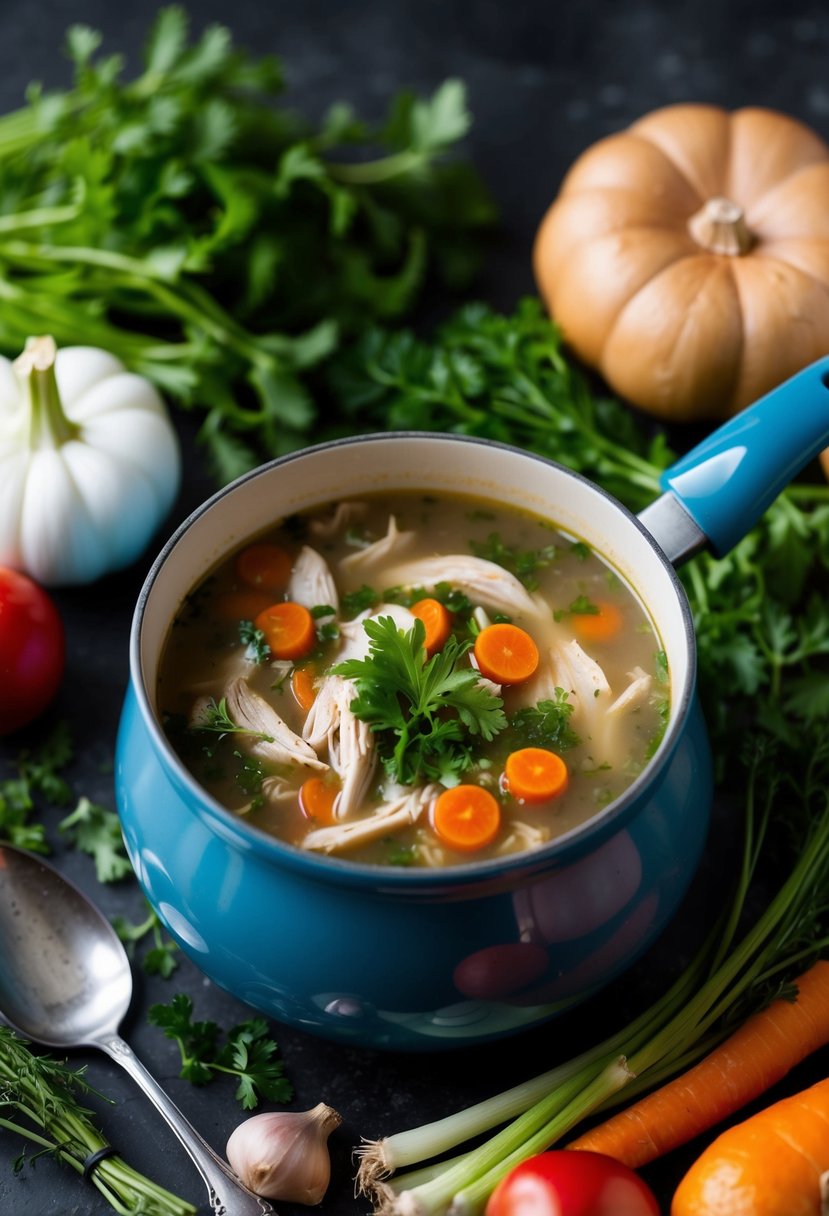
(258, 650)
(172, 219)
(39, 1100)
(523, 563)
(97, 831)
(582, 605)
(451, 597)
(660, 660)
(352, 603)
(160, 959)
(546, 724)
(426, 712)
(248, 1053)
(327, 630)
(580, 550)
(401, 854)
(37, 776)
(249, 777)
(215, 718)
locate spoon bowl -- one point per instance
(64, 976)
(65, 981)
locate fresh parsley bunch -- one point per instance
(194, 226)
(426, 713)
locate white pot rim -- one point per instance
(576, 842)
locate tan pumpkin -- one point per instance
(687, 258)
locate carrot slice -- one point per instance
(316, 800)
(241, 605)
(437, 621)
(265, 566)
(302, 686)
(288, 628)
(598, 626)
(506, 654)
(466, 817)
(535, 774)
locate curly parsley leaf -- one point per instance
(248, 1053)
(427, 712)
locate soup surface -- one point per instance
(412, 680)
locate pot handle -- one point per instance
(717, 492)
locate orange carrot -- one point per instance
(302, 686)
(506, 654)
(263, 566)
(316, 800)
(535, 774)
(437, 621)
(756, 1056)
(466, 817)
(242, 605)
(770, 1165)
(288, 628)
(598, 626)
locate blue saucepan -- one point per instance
(418, 958)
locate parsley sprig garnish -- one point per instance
(248, 1052)
(427, 713)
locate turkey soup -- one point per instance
(414, 680)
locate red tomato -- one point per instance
(563, 1183)
(31, 650)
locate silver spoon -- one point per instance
(65, 981)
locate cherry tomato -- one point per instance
(31, 650)
(563, 1183)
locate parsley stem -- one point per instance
(372, 172)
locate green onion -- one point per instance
(727, 979)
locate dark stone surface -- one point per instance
(545, 80)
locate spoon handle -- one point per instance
(228, 1196)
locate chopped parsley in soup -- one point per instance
(413, 680)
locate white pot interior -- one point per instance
(432, 464)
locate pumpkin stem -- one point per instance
(47, 424)
(720, 226)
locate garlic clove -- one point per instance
(284, 1154)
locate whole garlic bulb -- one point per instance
(284, 1154)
